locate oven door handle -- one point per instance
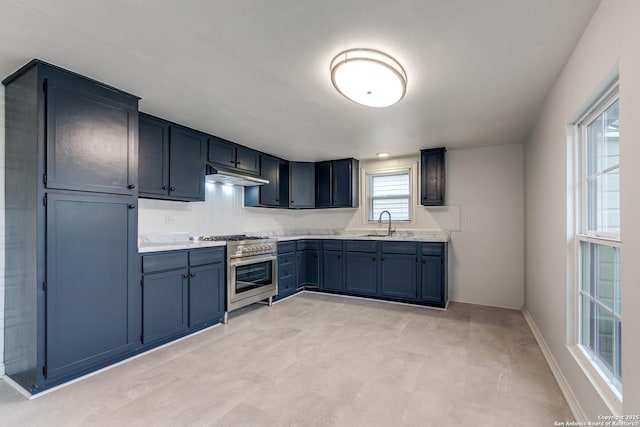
(237, 262)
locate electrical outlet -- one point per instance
(467, 218)
(170, 219)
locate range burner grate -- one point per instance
(231, 238)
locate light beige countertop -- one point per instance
(181, 241)
(398, 238)
(175, 246)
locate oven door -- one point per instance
(252, 277)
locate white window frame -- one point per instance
(591, 366)
(368, 174)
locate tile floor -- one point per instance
(321, 360)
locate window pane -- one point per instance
(603, 202)
(617, 300)
(587, 336)
(618, 349)
(399, 208)
(587, 285)
(603, 135)
(390, 185)
(605, 338)
(605, 274)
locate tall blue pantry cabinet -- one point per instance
(71, 225)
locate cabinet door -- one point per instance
(91, 137)
(432, 176)
(270, 167)
(247, 160)
(323, 184)
(311, 268)
(302, 185)
(90, 280)
(432, 281)
(206, 294)
(332, 271)
(153, 157)
(341, 183)
(222, 152)
(186, 165)
(283, 183)
(164, 304)
(398, 276)
(361, 273)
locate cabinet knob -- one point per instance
(132, 206)
(131, 186)
(238, 162)
(382, 259)
(186, 276)
(193, 275)
(172, 188)
(373, 259)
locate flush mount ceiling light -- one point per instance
(368, 77)
(382, 154)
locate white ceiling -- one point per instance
(257, 71)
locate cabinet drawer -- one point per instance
(206, 256)
(432, 248)
(164, 261)
(284, 247)
(286, 259)
(332, 245)
(361, 246)
(308, 244)
(399, 248)
(287, 272)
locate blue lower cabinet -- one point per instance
(361, 272)
(433, 274)
(206, 294)
(399, 276)
(308, 267)
(181, 291)
(90, 284)
(332, 271)
(286, 270)
(164, 304)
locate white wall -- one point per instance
(2, 248)
(485, 215)
(610, 40)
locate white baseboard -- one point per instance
(572, 401)
(1, 369)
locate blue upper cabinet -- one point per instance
(222, 152)
(91, 135)
(276, 192)
(153, 157)
(187, 150)
(432, 177)
(302, 185)
(231, 155)
(171, 160)
(337, 183)
(247, 160)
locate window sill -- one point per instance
(605, 389)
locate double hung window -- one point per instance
(598, 240)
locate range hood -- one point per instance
(223, 175)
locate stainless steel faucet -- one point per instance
(380, 221)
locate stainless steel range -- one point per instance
(252, 270)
